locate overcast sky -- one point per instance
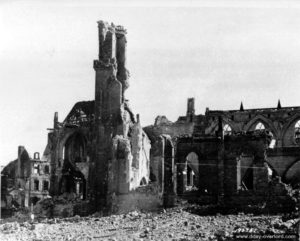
(220, 52)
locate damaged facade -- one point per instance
(101, 154)
(234, 157)
(25, 181)
(100, 151)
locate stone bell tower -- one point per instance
(111, 83)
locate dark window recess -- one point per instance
(46, 186)
(36, 185)
(247, 181)
(46, 169)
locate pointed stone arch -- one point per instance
(225, 121)
(265, 121)
(69, 135)
(292, 173)
(289, 124)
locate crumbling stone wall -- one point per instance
(282, 155)
(280, 121)
(19, 178)
(101, 154)
(101, 144)
(207, 152)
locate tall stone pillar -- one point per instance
(19, 166)
(109, 106)
(53, 143)
(221, 170)
(169, 173)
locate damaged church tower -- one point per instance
(120, 165)
(100, 151)
(110, 105)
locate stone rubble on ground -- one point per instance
(170, 224)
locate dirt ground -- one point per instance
(171, 224)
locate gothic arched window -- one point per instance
(260, 126)
(227, 130)
(297, 131)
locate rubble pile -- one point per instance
(170, 224)
(66, 205)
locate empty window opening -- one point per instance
(227, 130)
(189, 179)
(272, 140)
(247, 181)
(46, 169)
(74, 150)
(143, 182)
(36, 168)
(46, 186)
(36, 155)
(260, 126)
(34, 200)
(190, 176)
(297, 131)
(72, 181)
(272, 143)
(79, 188)
(36, 185)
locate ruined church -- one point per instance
(102, 154)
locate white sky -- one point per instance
(220, 52)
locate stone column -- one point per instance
(221, 171)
